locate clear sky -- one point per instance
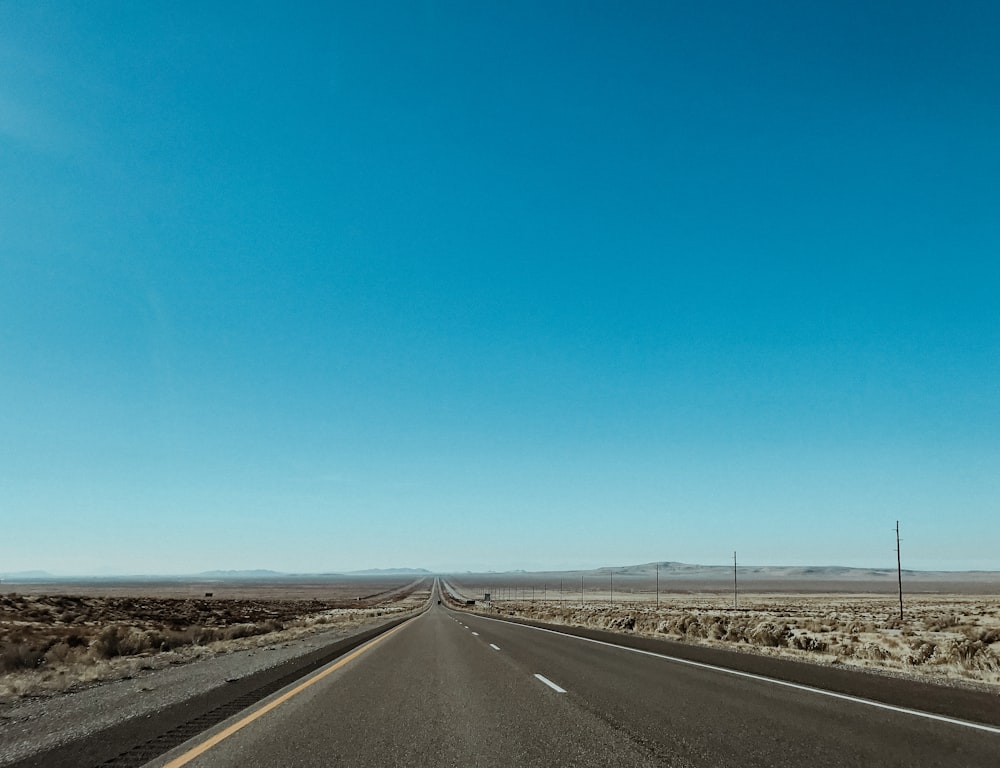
(498, 285)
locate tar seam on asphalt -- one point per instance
(143, 753)
(139, 755)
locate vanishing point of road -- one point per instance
(451, 689)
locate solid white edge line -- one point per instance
(550, 684)
(762, 678)
(495, 647)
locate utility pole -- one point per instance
(736, 598)
(612, 587)
(899, 572)
(657, 585)
(581, 592)
(560, 591)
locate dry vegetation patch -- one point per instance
(49, 643)
(945, 637)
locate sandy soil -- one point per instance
(55, 642)
(31, 724)
(952, 639)
(60, 701)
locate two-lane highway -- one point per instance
(448, 688)
(431, 694)
(704, 716)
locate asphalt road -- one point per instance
(450, 689)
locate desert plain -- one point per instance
(949, 632)
(57, 637)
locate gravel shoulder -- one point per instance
(32, 725)
(945, 639)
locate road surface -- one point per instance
(452, 689)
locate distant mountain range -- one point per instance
(260, 574)
(25, 575)
(685, 571)
(668, 570)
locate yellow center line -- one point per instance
(202, 748)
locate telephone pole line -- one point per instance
(736, 598)
(899, 572)
(657, 585)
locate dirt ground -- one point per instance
(52, 642)
(948, 638)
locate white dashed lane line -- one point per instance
(772, 681)
(542, 678)
(550, 684)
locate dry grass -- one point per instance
(50, 643)
(946, 638)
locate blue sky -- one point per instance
(498, 285)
